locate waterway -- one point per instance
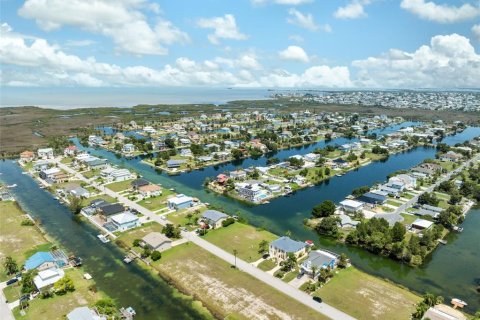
(129, 285)
(451, 271)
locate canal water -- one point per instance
(444, 273)
(129, 285)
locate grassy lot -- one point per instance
(408, 218)
(16, 239)
(140, 232)
(155, 203)
(227, 292)
(66, 160)
(244, 238)
(267, 265)
(91, 173)
(181, 217)
(366, 297)
(394, 203)
(290, 276)
(407, 195)
(58, 306)
(119, 186)
(100, 196)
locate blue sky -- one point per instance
(240, 43)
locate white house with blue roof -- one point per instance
(280, 248)
(317, 260)
(41, 261)
(213, 218)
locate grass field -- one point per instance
(227, 292)
(180, 217)
(156, 203)
(100, 196)
(244, 238)
(394, 203)
(119, 186)
(58, 306)
(15, 240)
(267, 265)
(408, 218)
(366, 297)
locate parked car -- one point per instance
(317, 299)
(299, 275)
(12, 281)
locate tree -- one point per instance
(136, 242)
(10, 265)
(156, 255)
(357, 192)
(170, 143)
(170, 231)
(107, 307)
(324, 209)
(428, 198)
(263, 246)
(327, 171)
(237, 154)
(28, 285)
(324, 275)
(398, 232)
(64, 285)
(329, 226)
(289, 263)
(75, 204)
(343, 260)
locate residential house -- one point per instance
(41, 165)
(49, 173)
(451, 156)
(151, 190)
(45, 153)
(443, 312)
(181, 201)
(351, 206)
(137, 183)
(157, 241)
(186, 152)
(409, 182)
(128, 148)
(238, 174)
(70, 151)
(125, 220)
(280, 249)
(41, 261)
(27, 156)
(96, 163)
(84, 313)
(251, 191)
(427, 168)
(319, 259)
(45, 279)
(175, 163)
(222, 178)
(372, 198)
(80, 192)
(347, 222)
(213, 218)
(120, 175)
(421, 224)
(111, 209)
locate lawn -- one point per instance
(138, 233)
(290, 276)
(394, 203)
(101, 196)
(16, 239)
(156, 203)
(91, 173)
(82, 296)
(244, 238)
(119, 186)
(267, 265)
(227, 292)
(366, 297)
(66, 160)
(181, 217)
(408, 218)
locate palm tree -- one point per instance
(314, 270)
(10, 265)
(235, 254)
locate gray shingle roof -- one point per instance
(287, 245)
(214, 215)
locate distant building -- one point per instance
(157, 241)
(180, 202)
(45, 153)
(280, 248)
(351, 206)
(213, 218)
(27, 156)
(319, 259)
(125, 220)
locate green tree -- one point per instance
(237, 154)
(343, 260)
(64, 285)
(398, 232)
(28, 285)
(324, 209)
(263, 246)
(10, 265)
(75, 204)
(170, 231)
(156, 255)
(107, 307)
(329, 226)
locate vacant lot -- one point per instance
(119, 186)
(156, 203)
(140, 232)
(366, 297)
(58, 306)
(15, 239)
(241, 237)
(227, 292)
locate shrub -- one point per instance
(27, 222)
(227, 222)
(156, 255)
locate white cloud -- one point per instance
(122, 21)
(79, 43)
(294, 53)
(283, 2)
(296, 38)
(224, 28)
(246, 61)
(302, 20)
(449, 61)
(442, 13)
(476, 31)
(353, 10)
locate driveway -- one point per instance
(5, 312)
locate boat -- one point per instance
(24, 172)
(103, 238)
(12, 185)
(128, 313)
(442, 241)
(457, 229)
(458, 303)
(129, 258)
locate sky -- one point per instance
(239, 43)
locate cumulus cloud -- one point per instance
(449, 61)
(294, 53)
(476, 31)
(284, 2)
(28, 61)
(353, 10)
(442, 13)
(304, 20)
(121, 20)
(224, 28)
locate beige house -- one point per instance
(283, 246)
(157, 241)
(151, 190)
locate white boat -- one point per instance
(12, 185)
(103, 238)
(458, 303)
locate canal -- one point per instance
(129, 285)
(444, 273)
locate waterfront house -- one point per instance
(40, 261)
(222, 178)
(175, 163)
(351, 206)
(128, 148)
(347, 222)
(41, 165)
(280, 248)
(69, 151)
(451, 156)
(318, 259)
(443, 312)
(186, 152)
(119, 175)
(96, 163)
(111, 209)
(49, 173)
(421, 224)
(80, 192)
(27, 156)
(409, 181)
(151, 190)
(238, 174)
(427, 168)
(251, 191)
(137, 183)
(204, 158)
(372, 198)
(181, 201)
(84, 313)
(157, 241)
(45, 153)
(45, 279)
(213, 218)
(125, 220)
